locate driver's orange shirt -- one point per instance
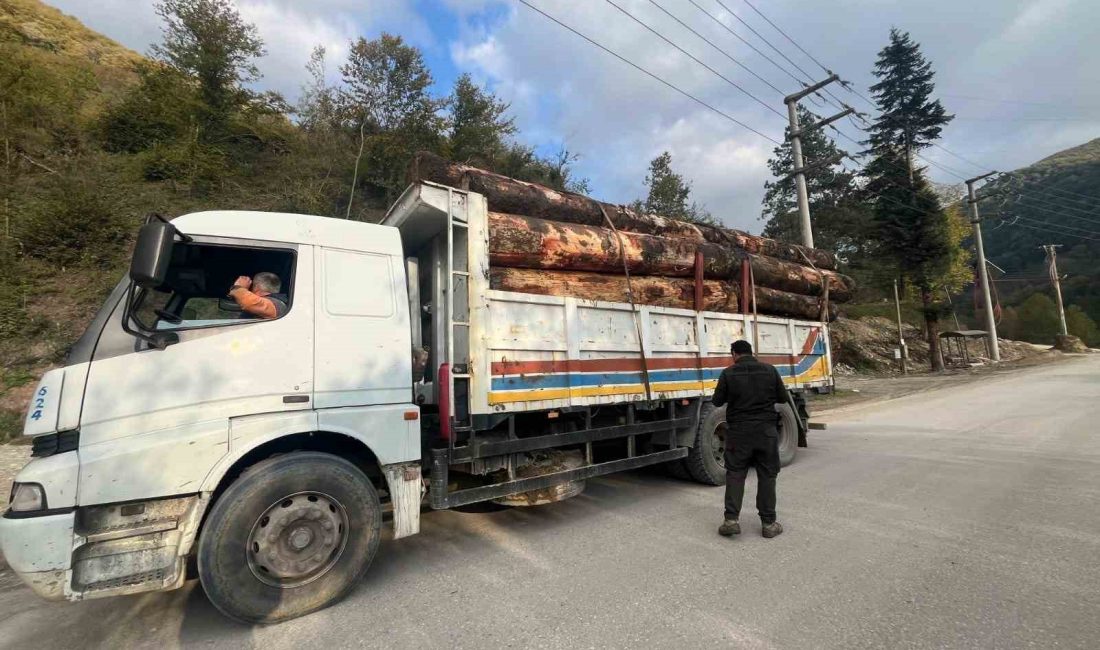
(252, 303)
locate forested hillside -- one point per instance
(96, 136)
(1054, 201)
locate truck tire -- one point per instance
(678, 469)
(705, 460)
(293, 534)
(788, 435)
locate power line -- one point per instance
(1056, 190)
(848, 86)
(1049, 231)
(723, 52)
(1059, 209)
(650, 74)
(694, 58)
(739, 37)
(1059, 226)
(758, 35)
(1021, 198)
(793, 42)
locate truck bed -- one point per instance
(546, 352)
(522, 352)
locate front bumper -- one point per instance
(104, 550)
(39, 550)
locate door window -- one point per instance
(196, 291)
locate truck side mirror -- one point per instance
(153, 252)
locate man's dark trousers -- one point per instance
(748, 445)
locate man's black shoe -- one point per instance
(729, 527)
(772, 529)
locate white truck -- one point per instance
(265, 455)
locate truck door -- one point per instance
(364, 344)
(159, 419)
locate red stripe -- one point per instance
(808, 346)
(602, 365)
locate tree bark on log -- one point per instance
(654, 291)
(514, 196)
(530, 242)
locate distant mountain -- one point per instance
(1054, 201)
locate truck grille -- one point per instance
(54, 443)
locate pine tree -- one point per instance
(669, 193)
(909, 120)
(842, 222)
(915, 232)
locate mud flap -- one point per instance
(406, 492)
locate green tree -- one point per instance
(387, 86)
(210, 42)
(1080, 325)
(159, 110)
(387, 99)
(842, 222)
(909, 119)
(669, 193)
(318, 108)
(1035, 320)
(480, 125)
(915, 232)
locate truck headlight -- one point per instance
(27, 497)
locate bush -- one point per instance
(192, 163)
(76, 224)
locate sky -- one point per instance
(1020, 75)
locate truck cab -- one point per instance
(172, 391)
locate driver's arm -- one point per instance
(249, 302)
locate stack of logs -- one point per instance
(555, 243)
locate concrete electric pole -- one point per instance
(983, 272)
(904, 354)
(796, 133)
(1052, 256)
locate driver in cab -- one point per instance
(258, 296)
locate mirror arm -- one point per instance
(159, 340)
(153, 216)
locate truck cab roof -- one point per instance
(290, 228)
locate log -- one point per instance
(514, 196)
(652, 290)
(533, 243)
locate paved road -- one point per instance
(961, 518)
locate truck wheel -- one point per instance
(678, 469)
(706, 460)
(292, 535)
(788, 435)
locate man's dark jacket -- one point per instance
(750, 390)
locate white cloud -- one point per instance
(562, 88)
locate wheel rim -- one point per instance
(718, 449)
(297, 539)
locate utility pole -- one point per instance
(983, 272)
(901, 335)
(1052, 256)
(796, 133)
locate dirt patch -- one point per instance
(865, 346)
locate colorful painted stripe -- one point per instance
(519, 381)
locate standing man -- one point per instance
(750, 390)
